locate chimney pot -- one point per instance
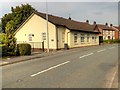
(94, 22)
(87, 21)
(106, 24)
(69, 18)
(111, 24)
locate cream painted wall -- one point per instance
(85, 43)
(63, 37)
(37, 25)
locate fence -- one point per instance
(34, 45)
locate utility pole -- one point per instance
(47, 27)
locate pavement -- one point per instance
(89, 67)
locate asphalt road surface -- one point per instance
(90, 67)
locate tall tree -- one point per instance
(0, 27)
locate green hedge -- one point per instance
(112, 41)
(23, 49)
(3, 50)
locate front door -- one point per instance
(108, 37)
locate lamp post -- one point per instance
(47, 27)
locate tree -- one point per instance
(9, 29)
(0, 27)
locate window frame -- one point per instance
(75, 38)
(82, 37)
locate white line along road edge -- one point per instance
(50, 68)
(86, 55)
(101, 50)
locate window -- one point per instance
(104, 37)
(82, 37)
(75, 37)
(88, 37)
(30, 37)
(43, 36)
(93, 38)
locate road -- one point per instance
(90, 67)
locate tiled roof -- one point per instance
(70, 24)
(105, 27)
(117, 27)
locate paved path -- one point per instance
(91, 67)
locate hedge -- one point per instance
(112, 41)
(23, 49)
(3, 50)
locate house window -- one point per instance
(43, 36)
(82, 37)
(30, 37)
(88, 38)
(75, 37)
(104, 38)
(93, 38)
(108, 32)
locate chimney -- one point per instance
(111, 25)
(87, 21)
(69, 18)
(94, 22)
(106, 24)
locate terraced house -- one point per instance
(61, 31)
(108, 32)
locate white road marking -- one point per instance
(50, 68)
(111, 47)
(101, 50)
(86, 55)
(111, 82)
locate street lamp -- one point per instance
(47, 27)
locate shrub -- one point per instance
(112, 41)
(23, 49)
(3, 50)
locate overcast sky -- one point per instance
(101, 12)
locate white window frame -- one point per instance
(75, 38)
(82, 38)
(30, 37)
(43, 36)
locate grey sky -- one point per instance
(100, 12)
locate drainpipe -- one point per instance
(67, 36)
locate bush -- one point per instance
(3, 50)
(23, 49)
(112, 41)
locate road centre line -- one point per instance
(101, 50)
(50, 68)
(86, 55)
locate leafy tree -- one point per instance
(9, 29)
(9, 41)
(5, 19)
(0, 27)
